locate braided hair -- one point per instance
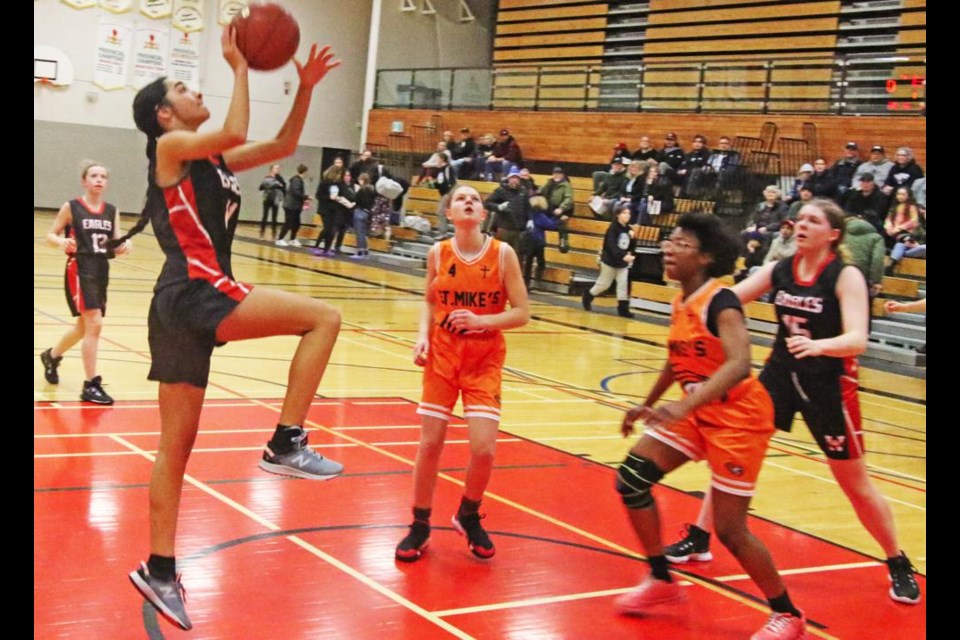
(145, 106)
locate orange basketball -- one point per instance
(267, 35)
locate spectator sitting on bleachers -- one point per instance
(902, 218)
(767, 217)
(913, 245)
(867, 202)
(844, 169)
(462, 153)
(429, 167)
(867, 250)
(633, 189)
(645, 151)
(656, 196)
(670, 157)
(903, 173)
(878, 166)
(753, 255)
(919, 191)
(536, 241)
(721, 167)
(504, 157)
(806, 194)
(783, 245)
(619, 151)
(803, 175)
(693, 163)
(509, 205)
(484, 150)
(822, 181)
(559, 193)
(611, 190)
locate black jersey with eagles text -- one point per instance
(809, 308)
(91, 229)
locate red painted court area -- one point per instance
(270, 557)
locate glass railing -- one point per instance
(892, 84)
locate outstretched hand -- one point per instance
(316, 66)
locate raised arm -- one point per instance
(183, 144)
(755, 285)
(284, 144)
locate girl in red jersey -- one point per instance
(89, 222)
(725, 416)
(823, 311)
(193, 201)
(470, 279)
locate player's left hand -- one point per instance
(803, 347)
(316, 66)
(124, 249)
(465, 320)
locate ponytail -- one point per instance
(152, 192)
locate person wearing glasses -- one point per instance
(724, 416)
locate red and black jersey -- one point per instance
(91, 229)
(194, 224)
(809, 308)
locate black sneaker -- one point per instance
(93, 392)
(903, 584)
(413, 545)
(167, 596)
(468, 524)
(587, 300)
(695, 545)
(50, 365)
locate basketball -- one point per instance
(267, 35)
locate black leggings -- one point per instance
(329, 230)
(270, 210)
(291, 223)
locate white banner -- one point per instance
(188, 15)
(156, 9)
(112, 55)
(116, 6)
(185, 58)
(228, 9)
(149, 54)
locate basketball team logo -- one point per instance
(734, 468)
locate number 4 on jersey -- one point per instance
(453, 270)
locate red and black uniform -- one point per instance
(88, 271)
(823, 388)
(465, 362)
(194, 221)
(732, 431)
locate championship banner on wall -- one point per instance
(149, 54)
(185, 58)
(156, 9)
(80, 4)
(116, 6)
(228, 9)
(112, 54)
(188, 15)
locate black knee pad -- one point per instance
(635, 477)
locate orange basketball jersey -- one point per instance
(476, 284)
(696, 354)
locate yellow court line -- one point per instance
(832, 481)
(360, 577)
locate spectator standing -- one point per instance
(273, 187)
(365, 196)
(294, 202)
(615, 260)
(536, 239)
(327, 193)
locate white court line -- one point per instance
(342, 445)
(360, 577)
(533, 602)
